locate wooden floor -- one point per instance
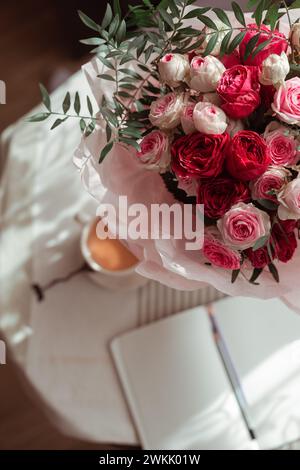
(31, 51)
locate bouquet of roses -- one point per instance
(201, 106)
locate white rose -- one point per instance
(173, 69)
(206, 73)
(223, 30)
(289, 199)
(166, 111)
(187, 121)
(295, 36)
(209, 119)
(274, 69)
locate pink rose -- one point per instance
(289, 199)
(155, 151)
(218, 253)
(286, 102)
(166, 111)
(282, 145)
(277, 45)
(187, 121)
(269, 183)
(243, 225)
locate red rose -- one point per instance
(277, 45)
(284, 240)
(259, 258)
(219, 194)
(239, 89)
(198, 155)
(247, 156)
(267, 93)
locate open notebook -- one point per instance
(178, 390)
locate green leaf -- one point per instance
(106, 62)
(114, 25)
(256, 273)
(250, 45)
(90, 128)
(105, 151)
(238, 13)
(45, 97)
(295, 4)
(92, 41)
(260, 243)
(225, 42)
(259, 12)
(131, 142)
(261, 46)
(38, 117)
(273, 271)
(108, 132)
(58, 122)
(273, 15)
(105, 76)
(66, 103)
(117, 8)
(77, 105)
(88, 21)
(222, 16)
(82, 125)
(208, 22)
(234, 275)
(131, 73)
(211, 44)
(236, 41)
(196, 12)
(267, 204)
(167, 18)
(107, 17)
(252, 4)
(89, 105)
(121, 33)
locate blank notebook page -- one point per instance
(176, 386)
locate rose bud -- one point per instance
(286, 102)
(219, 194)
(295, 36)
(207, 32)
(269, 183)
(217, 253)
(187, 121)
(274, 69)
(282, 144)
(239, 89)
(155, 151)
(173, 69)
(209, 119)
(289, 199)
(243, 225)
(205, 73)
(247, 156)
(198, 155)
(166, 111)
(277, 45)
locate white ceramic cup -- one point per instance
(115, 280)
